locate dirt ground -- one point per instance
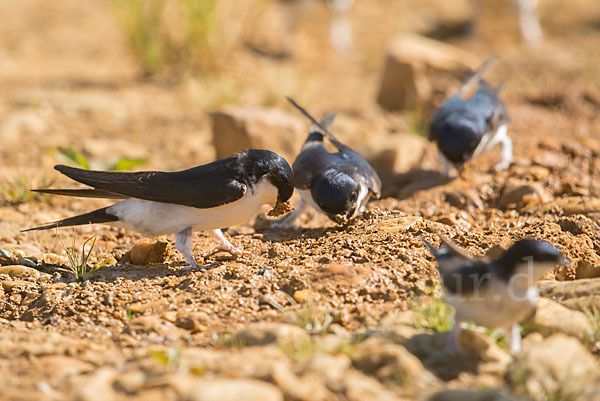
(67, 78)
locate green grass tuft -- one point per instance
(18, 190)
(433, 314)
(169, 33)
(77, 159)
(79, 265)
(141, 22)
(310, 318)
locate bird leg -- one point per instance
(445, 164)
(514, 339)
(506, 155)
(453, 344)
(529, 22)
(225, 245)
(290, 219)
(183, 243)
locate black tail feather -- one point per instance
(97, 216)
(475, 79)
(327, 120)
(81, 192)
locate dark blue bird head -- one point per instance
(265, 163)
(336, 193)
(458, 135)
(537, 255)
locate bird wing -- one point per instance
(460, 272)
(206, 186)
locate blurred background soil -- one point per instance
(69, 77)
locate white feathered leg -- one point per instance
(514, 339)
(183, 243)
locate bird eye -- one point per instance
(353, 196)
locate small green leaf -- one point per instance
(74, 157)
(128, 164)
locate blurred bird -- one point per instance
(493, 293)
(470, 122)
(340, 29)
(209, 197)
(338, 184)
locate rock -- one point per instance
(573, 205)
(149, 253)
(193, 321)
(58, 367)
(264, 333)
(307, 388)
(479, 346)
(411, 63)
(359, 387)
(393, 154)
(331, 368)
(139, 307)
(234, 390)
(468, 395)
(10, 285)
(97, 387)
(551, 317)
(558, 365)
(130, 382)
(583, 295)
(519, 193)
(170, 316)
(339, 275)
(149, 324)
(238, 128)
(305, 295)
(387, 361)
(585, 269)
(20, 272)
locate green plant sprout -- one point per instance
(310, 319)
(76, 158)
(79, 266)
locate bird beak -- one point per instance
(564, 262)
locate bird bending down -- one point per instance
(220, 194)
(470, 122)
(493, 293)
(339, 184)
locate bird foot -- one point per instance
(503, 165)
(196, 266)
(233, 250)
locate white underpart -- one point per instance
(499, 305)
(491, 139)
(155, 218)
(496, 306)
(363, 197)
